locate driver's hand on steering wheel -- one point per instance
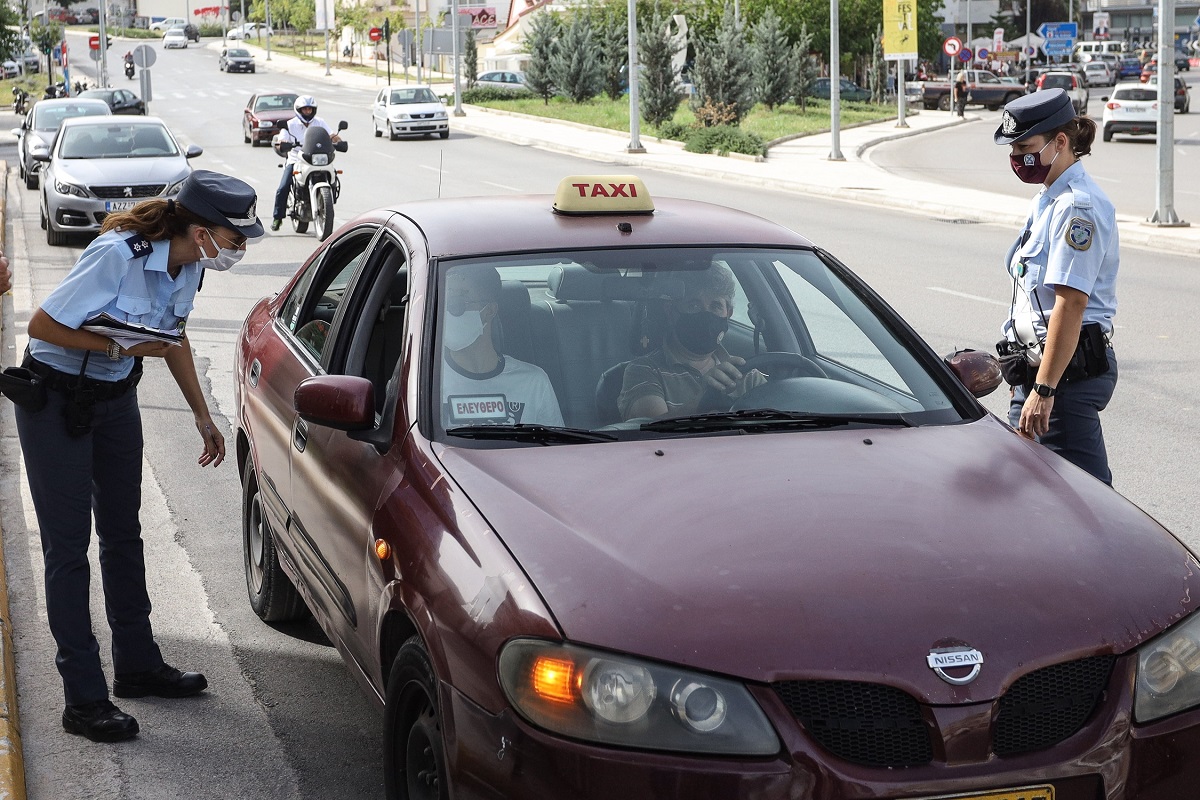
(725, 376)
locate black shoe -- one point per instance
(166, 681)
(100, 721)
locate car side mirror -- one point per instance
(1104, 99)
(193, 150)
(41, 157)
(978, 371)
(343, 402)
(17, 131)
(343, 125)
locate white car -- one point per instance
(174, 39)
(168, 23)
(1132, 108)
(1099, 73)
(409, 111)
(250, 30)
(10, 69)
(502, 79)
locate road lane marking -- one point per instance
(988, 300)
(501, 186)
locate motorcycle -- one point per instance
(20, 100)
(55, 90)
(315, 183)
(129, 69)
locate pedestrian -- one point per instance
(83, 445)
(1064, 272)
(960, 94)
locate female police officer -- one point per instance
(1064, 271)
(83, 449)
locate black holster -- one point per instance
(1091, 354)
(25, 388)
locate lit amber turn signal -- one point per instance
(383, 550)
(552, 679)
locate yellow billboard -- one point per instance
(899, 29)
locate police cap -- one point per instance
(222, 200)
(1035, 113)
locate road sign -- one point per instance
(1059, 30)
(1057, 47)
(964, 55)
(375, 34)
(144, 56)
(94, 54)
(951, 46)
(94, 42)
(982, 54)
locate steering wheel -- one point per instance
(778, 365)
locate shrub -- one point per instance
(674, 130)
(722, 73)
(725, 139)
(659, 82)
(488, 94)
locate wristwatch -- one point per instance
(1044, 390)
(114, 350)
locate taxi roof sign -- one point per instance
(603, 194)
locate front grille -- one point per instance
(134, 190)
(422, 116)
(864, 723)
(1047, 706)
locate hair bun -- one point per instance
(170, 206)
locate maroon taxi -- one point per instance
(265, 114)
(840, 577)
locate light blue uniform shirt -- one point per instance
(1072, 242)
(112, 276)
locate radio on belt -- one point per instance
(602, 194)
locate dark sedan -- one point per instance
(235, 59)
(265, 114)
(121, 101)
(825, 581)
(847, 89)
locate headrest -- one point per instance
(570, 282)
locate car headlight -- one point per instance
(619, 700)
(262, 123)
(439, 115)
(174, 187)
(63, 187)
(398, 117)
(1168, 676)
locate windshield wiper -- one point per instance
(766, 418)
(542, 434)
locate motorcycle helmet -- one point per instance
(305, 101)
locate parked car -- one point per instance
(848, 90)
(265, 114)
(121, 101)
(30, 61)
(40, 126)
(166, 24)
(1151, 67)
(1070, 83)
(1099, 73)
(502, 79)
(250, 30)
(175, 39)
(1132, 108)
(235, 59)
(98, 165)
(10, 69)
(409, 110)
(810, 591)
(1183, 99)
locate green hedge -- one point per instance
(724, 139)
(488, 94)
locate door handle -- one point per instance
(255, 371)
(300, 435)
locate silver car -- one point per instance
(40, 126)
(502, 79)
(99, 165)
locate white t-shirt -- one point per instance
(295, 133)
(514, 393)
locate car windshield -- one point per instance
(50, 118)
(239, 54)
(117, 140)
(1136, 93)
(1058, 82)
(407, 96)
(588, 341)
(275, 102)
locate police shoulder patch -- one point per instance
(138, 245)
(1080, 233)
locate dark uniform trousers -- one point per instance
(69, 479)
(1075, 432)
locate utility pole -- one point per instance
(267, 14)
(458, 111)
(1164, 214)
(635, 113)
(102, 71)
(835, 84)
(417, 37)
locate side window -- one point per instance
(310, 312)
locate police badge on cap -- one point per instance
(222, 200)
(1040, 112)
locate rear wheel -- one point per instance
(323, 213)
(944, 103)
(273, 596)
(1107, 135)
(31, 179)
(247, 136)
(414, 760)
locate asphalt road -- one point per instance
(283, 718)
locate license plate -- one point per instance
(119, 205)
(1025, 793)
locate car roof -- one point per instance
(120, 119)
(528, 223)
(70, 101)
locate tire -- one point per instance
(929, 106)
(323, 213)
(1107, 135)
(944, 103)
(42, 214)
(414, 758)
(31, 179)
(247, 137)
(273, 596)
(375, 125)
(55, 238)
(391, 135)
(252, 70)
(1008, 98)
(443, 134)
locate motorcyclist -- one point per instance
(306, 116)
(129, 64)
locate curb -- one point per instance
(12, 758)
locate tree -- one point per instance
(354, 16)
(722, 75)
(470, 58)
(576, 63)
(611, 24)
(804, 67)
(541, 44)
(10, 26)
(773, 75)
(877, 75)
(658, 83)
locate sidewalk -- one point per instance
(800, 165)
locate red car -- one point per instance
(841, 579)
(265, 114)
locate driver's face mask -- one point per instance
(701, 332)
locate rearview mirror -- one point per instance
(978, 371)
(343, 125)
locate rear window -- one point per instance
(1135, 93)
(1058, 82)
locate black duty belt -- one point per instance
(100, 390)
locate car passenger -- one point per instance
(480, 385)
(691, 372)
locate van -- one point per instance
(1116, 48)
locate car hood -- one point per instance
(121, 171)
(415, 108)
(833, 553)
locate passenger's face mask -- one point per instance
(225, 258)
(1029, 167)
(701, 332)
(461, 331)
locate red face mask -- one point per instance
(1029, 167)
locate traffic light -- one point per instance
(387, 31)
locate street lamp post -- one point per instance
(458, 110)
(1164, 214)
(835, 84)
(267, 15)
(635, 114)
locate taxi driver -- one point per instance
(691, 372)
(480, 385)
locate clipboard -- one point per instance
(129, 334)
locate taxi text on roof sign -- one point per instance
(602, 194)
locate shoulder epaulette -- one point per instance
(138, 245)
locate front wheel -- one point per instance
(1107, 135)
(944, 103)
(273, 596)
(323, 213)
(444, 134)
(414, 759)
